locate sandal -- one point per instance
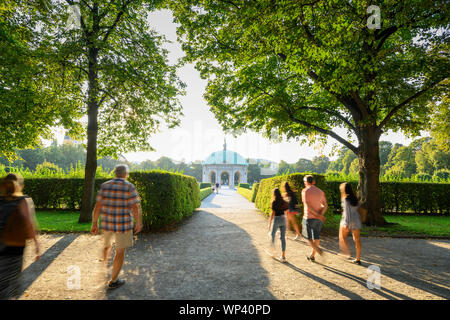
(358, 262)
(311, 258)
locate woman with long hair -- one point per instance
(17, 224)
(278, 206)
(350, 221)
(291, 198)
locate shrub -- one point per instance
(57, 193)
(244, 185)
(401, 197)
(295, 180)
(205, 192)
(441, 175)
(245, 193)
(254, 191)
(423, 177)
(166, 197)
(204, 185)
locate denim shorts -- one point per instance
(311, 228)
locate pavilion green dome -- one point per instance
(225, 157)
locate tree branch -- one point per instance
(321, 130)
(405, 102)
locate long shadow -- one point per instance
(208, 258)
(401, 264)
(331, 285)
(35, 269)
(386, 293)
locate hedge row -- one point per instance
(402, 197)
(245, 193)
(166, 198)
(266, 186)
(254, 191)
(57, 193)
(244, 185)
(205, 192)
(204, 185)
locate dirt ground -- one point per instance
(221, 253)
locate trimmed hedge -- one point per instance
(244, 185)
(401, 197)
(205, 192)
(245, 193)
(266, 186)
(166, 198)
(204, 185)
(57, 193)
(254, 191)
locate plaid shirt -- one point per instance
(116, 198)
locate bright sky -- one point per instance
(199, 133)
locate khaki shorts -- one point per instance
(123, 239)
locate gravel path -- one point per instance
(219, 253)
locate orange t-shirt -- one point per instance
(314, 202)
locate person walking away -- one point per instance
(217, 187)
(117, 204)
(278, 220)
(292, 211)
(350, 221)
(17, 224)
(315, 206)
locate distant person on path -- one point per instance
(17, 224)
(292, 211)
(217, 187)
(117, 203)
(278, 220)
(350, 221)
(315, 206)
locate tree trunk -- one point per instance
(369, 176)
(91, 155)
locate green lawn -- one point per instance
(412, 226)
(63, 221)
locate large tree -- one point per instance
(36, 93)
(305, 67)
(129, 85)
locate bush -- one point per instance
(245, 193)
(204, 185)
(244, 185)
(205, 192)
(401, 197)
(254, 191)
(295, 180)
(166, 197)
(57, 193)
(441, 175)
(423, 177)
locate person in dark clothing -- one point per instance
(291, 198)
(279, 220)
(16, 218)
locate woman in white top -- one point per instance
(350, 221)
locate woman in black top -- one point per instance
(12, 202)
(292, 211)
(279, 220)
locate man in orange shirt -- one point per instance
(315, 206)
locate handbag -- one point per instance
(362, 214)
(16, 226)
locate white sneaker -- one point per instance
(297, 238)
(283, 259)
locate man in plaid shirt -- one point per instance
(117, 204)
